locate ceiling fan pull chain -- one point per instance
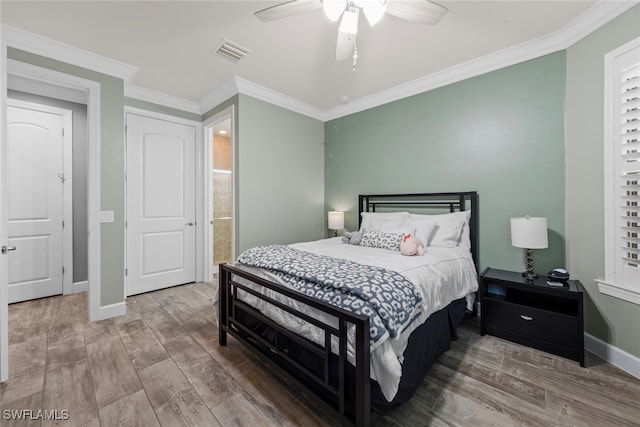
(355, 56)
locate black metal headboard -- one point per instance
(427, 203)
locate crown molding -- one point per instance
(34, 87)
(45, 82)
(33, 43)
(238, 85)
(160, 98)
(485, 64)
(218, 95)
(593, 18)
(271, 96)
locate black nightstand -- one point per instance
(533, 313)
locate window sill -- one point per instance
(619, 291)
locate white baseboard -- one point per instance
(80, 287)
(612, 354)
(113, 310)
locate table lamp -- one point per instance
(336, 221)
(529, 233)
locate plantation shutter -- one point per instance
(628, 169)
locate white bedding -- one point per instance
(441, 275)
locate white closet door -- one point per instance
(160, 204)
(35, 156)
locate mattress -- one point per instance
(441, 275)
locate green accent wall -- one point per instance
(500, 134)
(610, 319)
(111, 165)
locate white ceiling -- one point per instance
(171, 42)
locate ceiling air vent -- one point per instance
(231, 50)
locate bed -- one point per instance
(355, 357)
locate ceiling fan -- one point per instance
(420, 11)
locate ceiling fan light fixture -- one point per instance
(373, 11)
(349, 23)
(334, 8)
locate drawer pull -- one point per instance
(527, 318)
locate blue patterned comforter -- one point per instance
(387, 297)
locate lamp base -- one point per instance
(529, 274)
(335, 233)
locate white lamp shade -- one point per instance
(336, 220)
(529, 232)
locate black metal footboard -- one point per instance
(349, 403)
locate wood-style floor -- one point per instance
(160, 364)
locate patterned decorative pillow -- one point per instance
(382, 240)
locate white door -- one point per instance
(161, 242)
(4, 201)
(35, 202)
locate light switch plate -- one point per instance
(106, 216)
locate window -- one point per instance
(622, 173)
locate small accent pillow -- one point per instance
(382, 240)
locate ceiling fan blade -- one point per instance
(344, 46)
(420, 11)
(289, 8)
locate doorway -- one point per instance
(40, 191)
(160, 203)
(220, 144)
(90, 91)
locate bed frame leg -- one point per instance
(223, 292)
(363, 382)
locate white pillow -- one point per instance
(447, 233)
(383, 224)
(422, 227)
(465, 237)
(368, 216)
(452, 229)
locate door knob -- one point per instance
(6, 249)
(190, 224)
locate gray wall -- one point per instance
(501, 134)
(79, 112)
(610, 319)
(112, 169)
(280, 175)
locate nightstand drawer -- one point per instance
(536, 323)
